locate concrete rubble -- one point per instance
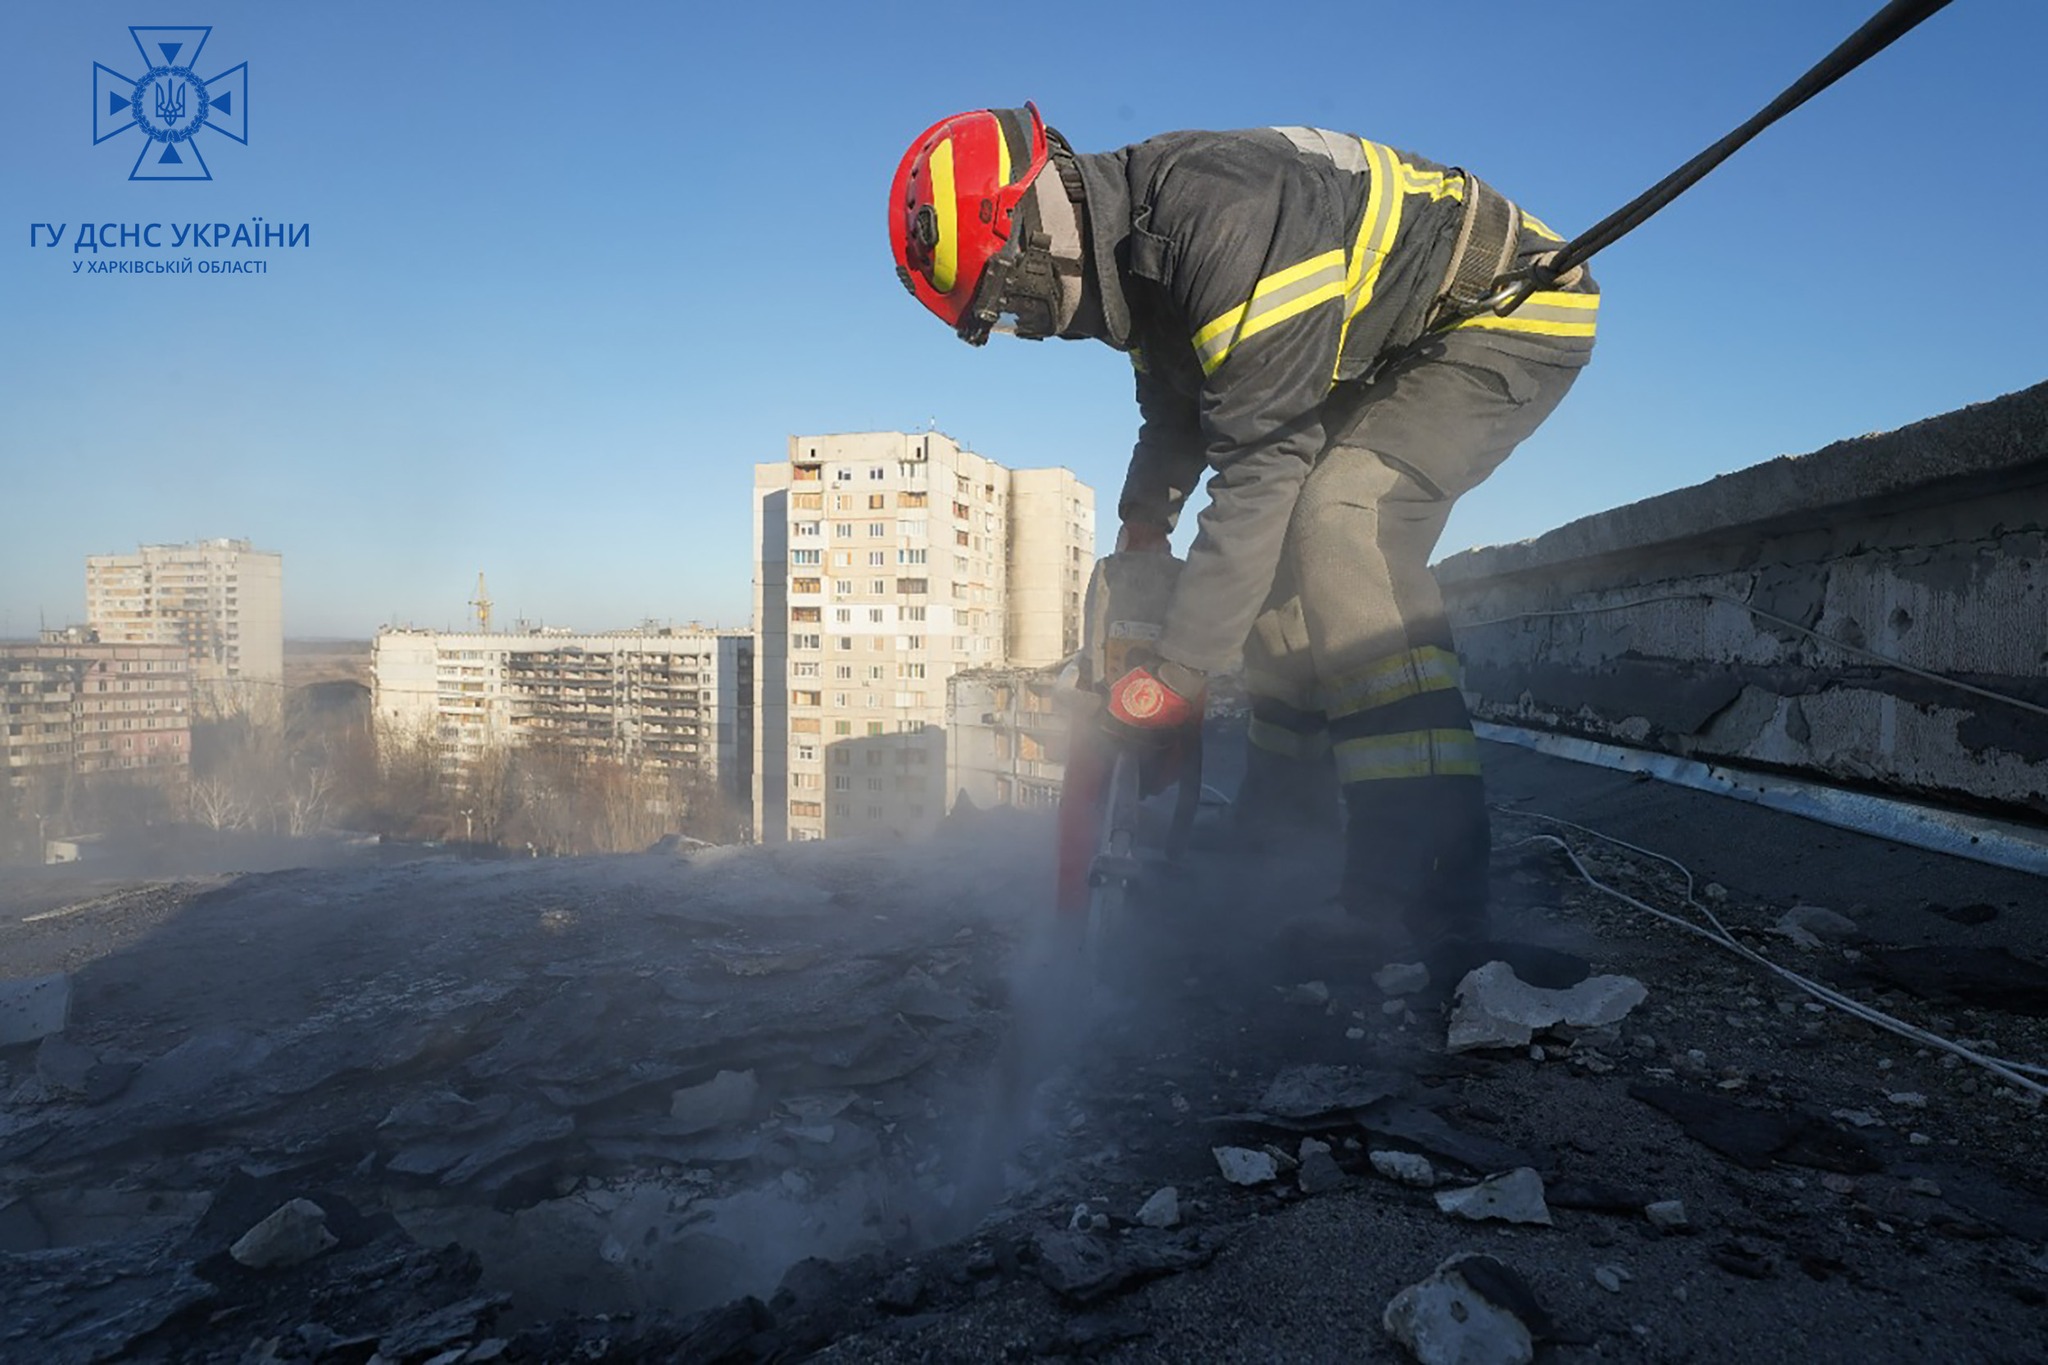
(1497, 1009)
(761, 1106)
(1161, 1209)
(296, 1232)
(33, 1008)
(1444, 1320)
(1409, 1168)
(1243, 1166)
(1515, 1197)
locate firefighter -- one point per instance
(1299, 307)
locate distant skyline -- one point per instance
(572, 273)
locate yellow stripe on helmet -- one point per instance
(946, 251)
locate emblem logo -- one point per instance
(1144, 698)
(170, 103)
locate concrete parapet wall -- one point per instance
(1681, 623)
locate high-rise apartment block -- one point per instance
(657, 696)
(885, 563)
(220, 601)
(76, 705)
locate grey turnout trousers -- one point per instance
(1351, 664)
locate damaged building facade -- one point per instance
(220, 601)
(75, 705)
(885, 563)
(665, 698)
(1005, 738)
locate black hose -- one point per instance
(1886, 27)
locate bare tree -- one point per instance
(216, 804)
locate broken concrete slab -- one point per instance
(33, 1007)
(294, 1234)
(1320, 1173)
(1516, 1197)
(1086, 1265)
(1318, 1091)
(1243, 1166)
(1444, 1320)
(1667, 1214)
(1409, 1168)
(1162, 1210)
(726, 1098)
(1496, 1008)
(1990, 978)
(1755, 1137)
(1409, 1123)
(1401, 978)
(1812, 925)
(70, 1071)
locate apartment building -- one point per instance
(657, 695)
(75, 705)
(886, 562)
(220, 601)
(1006, 738)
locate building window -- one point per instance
(803, 642)
(804, 557)
(806, 810)
(911, 499)
(874, 812)
(806, 530)
(840, 809)
(803, 585)
(875, 614)
(877, 558)
(877, 529)
(803, 698)
(803, 615)
(875, 472)
(803, 670)
(842, 587)
(874, 784)
(843, 530)
(843, 671)
(842, 727)
(874, 672)
(841, 782)
(842, 642)
(877, 501)
(878, 586)
(874, 729)
(913, 613)
(910, 670)
(910, 556)
(842, 615)
(913, 585)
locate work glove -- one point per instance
(1140, 536)
(1152, 703)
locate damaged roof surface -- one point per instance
(812, 1102)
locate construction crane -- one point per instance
(482, 603)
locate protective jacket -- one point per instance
(1247, 274)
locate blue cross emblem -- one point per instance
(170, 103)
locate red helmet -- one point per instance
(951, 210)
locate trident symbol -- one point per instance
(170, 110)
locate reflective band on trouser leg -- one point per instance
(1409, 753)
(1411, 673)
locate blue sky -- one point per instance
(574, 269)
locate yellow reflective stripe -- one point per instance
(1413, 753)
(1539, 227)
(1376, 233)
(1549, 312)
(946, 251)
(1432, 183)
(1276, 298)
(1002, 158)
(1278, 739)
(1428, 669)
